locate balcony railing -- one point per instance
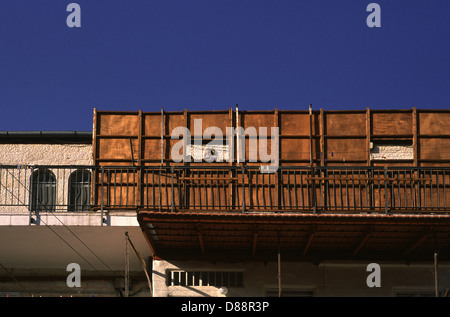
(225, 188)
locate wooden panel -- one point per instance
(345, 123)
(249, 119)
(294, 149)
(118, 124)
(152, 149)
(152, 124)
(391, 123)
(434, 123)
(209, 119)
(346, 149)
(434, 149)
(116, 149)
(294, 123)
(346, 134)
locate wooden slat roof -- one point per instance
(309, 237)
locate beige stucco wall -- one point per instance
(14, 190)
(46, 154)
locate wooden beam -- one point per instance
(311, 160)
(278, 194)
(255, 237)
(147, 236)
(139, 194)
(94, 188)
(308, 242)
(416, 243)
(368, 132)
(415, 138)
(162, 136)
(363, 240)
(200, 240)
(322, 137)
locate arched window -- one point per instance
(79, 190)
(43, 190)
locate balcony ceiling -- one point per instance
(308, 237)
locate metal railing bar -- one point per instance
(340, 189)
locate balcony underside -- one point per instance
(311, 237)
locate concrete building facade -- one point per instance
(357, 206)
(37, 246)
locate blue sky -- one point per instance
(213, 54)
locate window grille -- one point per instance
(205, 278)
(79, 190)
(43, 190)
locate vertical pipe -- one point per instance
(379, 189)
(288, 188)
(160, 190)
(132, 154)
(301, 189)
(127, 264)
(6, 186)
(153, 188)
(353, 189)
(347, 206)
(443, 184)
(270, 192)
(436, 285)
(263, 191)
(238, 141)
(405, 189)
(250, 190)
(162, 136)
(101, 196)
(313, 185)
(33, 192)
(279, 266)
(243, 189)
(310, 137)
(166, 187)
(438, 191)
(295, 189)
(385, 190)
(172, 201)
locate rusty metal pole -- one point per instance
(162, 136)
(310, 137)
(127, 265)
(279, 267)
(436, 283)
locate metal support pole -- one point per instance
(172, 200)
(310, 137)
(243, 189)
(101, 198)
(386, 191)
(238, 153)
(142, 261)
(30, 215)
(279, 267)
(162, 136)
(132, 154)
(127, 265)
(436, 283)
